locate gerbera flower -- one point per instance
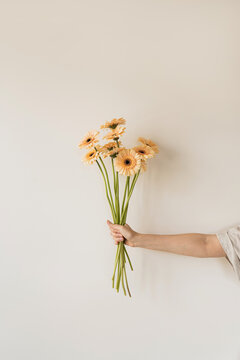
(113, 153)
(113, 123)
(127, 162)
(91, 156)
(115, 133)
(144, 151)
(89, 140)
(107, 148)
(149, 143)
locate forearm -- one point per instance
(189, 244)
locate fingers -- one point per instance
(116, 236)
(114, 226)
(115, 233)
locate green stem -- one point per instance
(115, 266)
(125, 215)
(112, 208)
(113, 170)
(108, 184)
(122, 268)
(116, 191)
(128, 187)
(127, 283)
(117, 207)
(119, 274)
(129, 196)
(125, 275)
(125, 193)
(125, 250)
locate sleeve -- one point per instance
(230, 242)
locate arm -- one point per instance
(189, 244)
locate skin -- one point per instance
(189, 244)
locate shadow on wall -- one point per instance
(168, 173)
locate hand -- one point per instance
(121, 233)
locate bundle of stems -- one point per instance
(119, 212)
(126, 162)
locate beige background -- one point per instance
(171, 68)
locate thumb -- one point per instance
(109, 222)
(114, 226)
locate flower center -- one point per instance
(127, 162)
(91, 154)
(89, 139)
(142, 151)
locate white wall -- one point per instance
(171, 68)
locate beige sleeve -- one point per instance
(230, 241)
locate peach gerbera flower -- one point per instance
(127, 162)
(113, 123)
(113, 153)
(91, 156)
(144, 151)
(89, 140)
(149, 143)
(115, 133)
(107, 148)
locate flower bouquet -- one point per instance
(127, 162)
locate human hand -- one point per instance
(121, 233)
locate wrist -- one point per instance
(137, 239)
